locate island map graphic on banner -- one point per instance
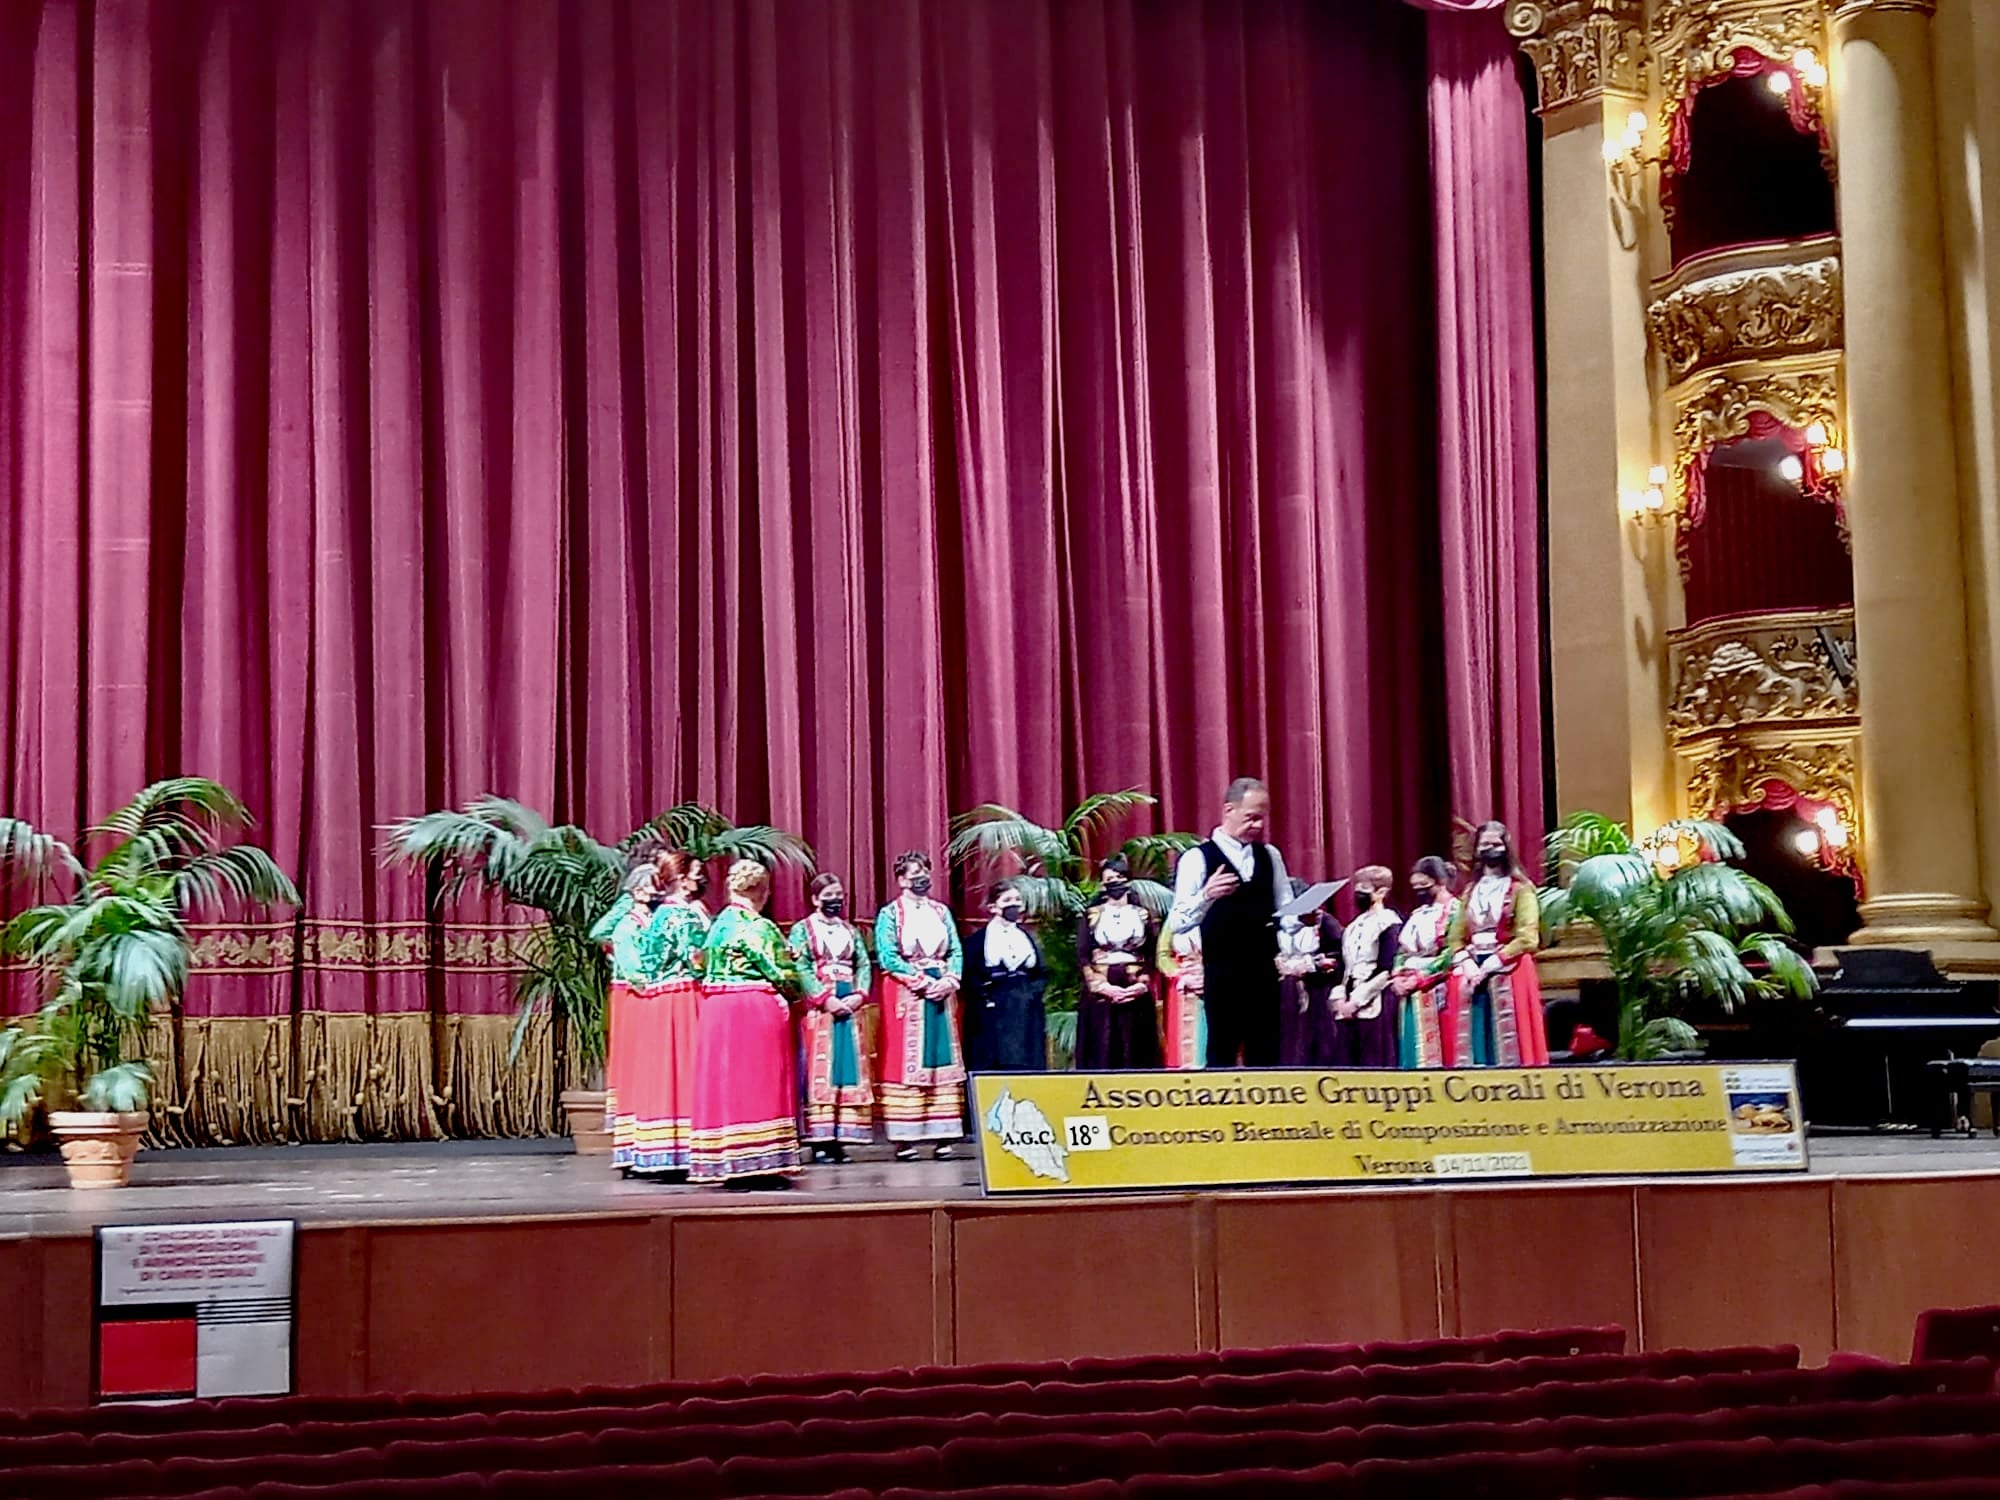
(1083, 1132)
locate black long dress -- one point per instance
(1115, 1033)
(1306, 1032)
(1006, 1029)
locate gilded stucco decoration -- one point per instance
(1581, 48)
(1695, 43)
(1734, 776)
(1734, 313)
(1715, 409)
(1797, 668)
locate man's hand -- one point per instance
(1220, 884)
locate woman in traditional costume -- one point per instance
(621, 932)
(839, 1104)
(1006, 1029)
(656, 1057)
(745, 1102)
(1364, 1023)
(1117, 1025)
(1422, 964)
(1184, 1026)
(1308, 984)
(1495, 996)
(923, 1060)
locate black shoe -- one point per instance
(906, 1153)
(836, 1153)
(944, 1153)
(821, 1155)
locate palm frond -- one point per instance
(771, 847)
(243, 875)
(178, 800)
(1062, 1038)
(25, 850)
(1096, 815)
(1049, 898)
(682, 826)
(1788, 973)
(992, 832)
(145, 969)
(1154, 856)
(1660, 1036)
(1157, 898)
(123, 1088)
(1605, 882)
(1582, 836)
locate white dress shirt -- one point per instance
(1192, 874)
(1008, 947)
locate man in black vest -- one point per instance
(1231, 887)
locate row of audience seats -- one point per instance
(1564, 1414)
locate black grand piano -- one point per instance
(1864, 1042)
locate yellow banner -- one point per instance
(1087, 1132)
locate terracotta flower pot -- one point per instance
(97, 1147)
(584, 1109)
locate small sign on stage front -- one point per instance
(1086, 1132)
(194, 1310)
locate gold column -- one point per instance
(1610, 586)
(1902, 494)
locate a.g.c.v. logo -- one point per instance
(1025, 1134)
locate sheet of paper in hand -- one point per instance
(1312, 898)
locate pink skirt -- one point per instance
(745, 1097)
(653, 1045)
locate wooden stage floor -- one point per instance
(444, 1180)
(496, 1266)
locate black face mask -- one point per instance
(833, 906)
(920, 885)
(1422, 894)
(1117, 892)
(1493, 859)
(1363, 900)
(1011, 914)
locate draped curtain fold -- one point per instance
(842, 412)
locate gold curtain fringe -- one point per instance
(364, 1077)
(234, 1077)
(163, 1056)
(481, 1094)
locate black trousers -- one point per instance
(1242, 1011)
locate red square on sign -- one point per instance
(153, 1358)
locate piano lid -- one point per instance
(1887, 969)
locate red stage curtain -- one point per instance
(1487, 472)
(840, 412)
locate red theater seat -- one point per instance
(1957, 1333)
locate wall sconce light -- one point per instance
(1626, 160)
(1821, 461)
(1805, 68)
(1827, 821)
(1647, 507)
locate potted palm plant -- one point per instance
(112, 952)
(510, 851)
(1057, 870)
(1678, 920)
(504, 848)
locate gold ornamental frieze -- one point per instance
(1581, 49)
(1795, 668)
(1761, 303)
